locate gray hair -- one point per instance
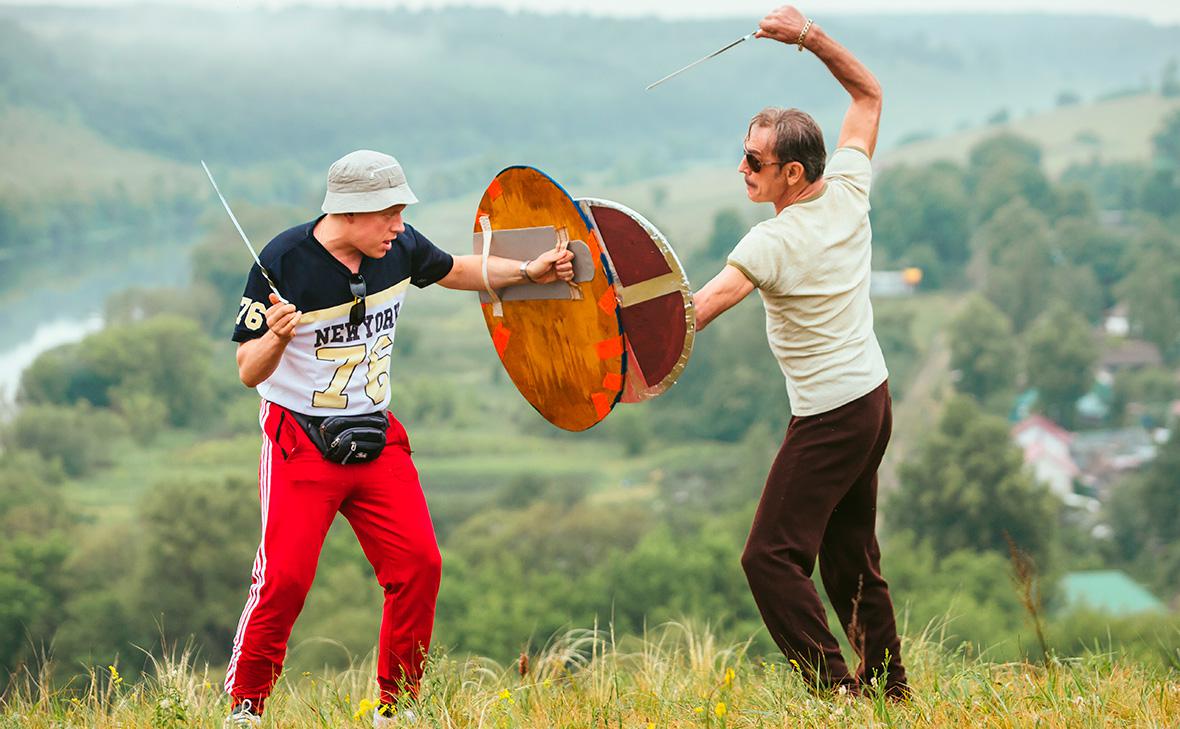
(797, 138)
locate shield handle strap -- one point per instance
(563, 244)
(485, 224)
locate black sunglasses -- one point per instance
(756, 164)
(356, 284)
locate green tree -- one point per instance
(36, 524)
(1152, 289)
(221, 263)
(1170, 80)
(195, 541)
(74, 439)
(1003, 168)
(1167, 140)
(732, 382)
(1154, 387)
(1085, 243)
(999, 147)
(1161, 189)
(922, 207)
(1018, 242)
(166, 357)
(1061, 356)
(32, 592)
(894, 327)
(1144, 513)
(669, 577)
(1077, 287)
(983, 349)
(968, 591)
(966, 488)
(728, 229)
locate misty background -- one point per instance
(1027, 165)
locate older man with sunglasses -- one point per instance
(810, 264)
(320, 361)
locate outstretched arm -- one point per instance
(719, 295)
(467, 273)
(864, 115)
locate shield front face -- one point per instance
(655, 299)
(565, 355)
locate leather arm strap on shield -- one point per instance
(485, 225)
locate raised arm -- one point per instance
(863, 118)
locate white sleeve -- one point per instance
(851, 165)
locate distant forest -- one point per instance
(457, 94)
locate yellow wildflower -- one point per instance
(116, 679)
(506, 697)
(729, 676)
(365, 707)
(699, 710)
(719, 709)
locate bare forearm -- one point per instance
(853, 75)
(467, 273)
(721, 293)
(259, 358)
(502, 272)
(552, 265)
(706, 310)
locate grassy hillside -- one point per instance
(676, 677)
(1115, 130)
(51, 159)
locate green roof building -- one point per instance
(1110, 591)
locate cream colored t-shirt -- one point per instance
(811, 266)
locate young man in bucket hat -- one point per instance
(320, 361)
(810, 264)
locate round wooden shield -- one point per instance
(655, 299)
(563, 348)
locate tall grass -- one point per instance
(677, 675)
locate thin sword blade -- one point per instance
(717, 52)
(234, 218)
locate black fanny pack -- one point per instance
(346, 438)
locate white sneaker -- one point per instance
(405, 717)
(244, 715)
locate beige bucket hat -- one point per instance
(365, 181)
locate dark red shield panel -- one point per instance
(652, 294)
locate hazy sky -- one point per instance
(1160, 11)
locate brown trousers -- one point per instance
(821, 499)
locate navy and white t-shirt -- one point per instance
(330, 367)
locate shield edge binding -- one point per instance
(586, 204)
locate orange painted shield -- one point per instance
(565, 355)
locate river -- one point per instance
(48, 309)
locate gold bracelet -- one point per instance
(803, 35)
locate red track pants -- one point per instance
(300, 494)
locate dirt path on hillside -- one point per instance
(918, 412)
